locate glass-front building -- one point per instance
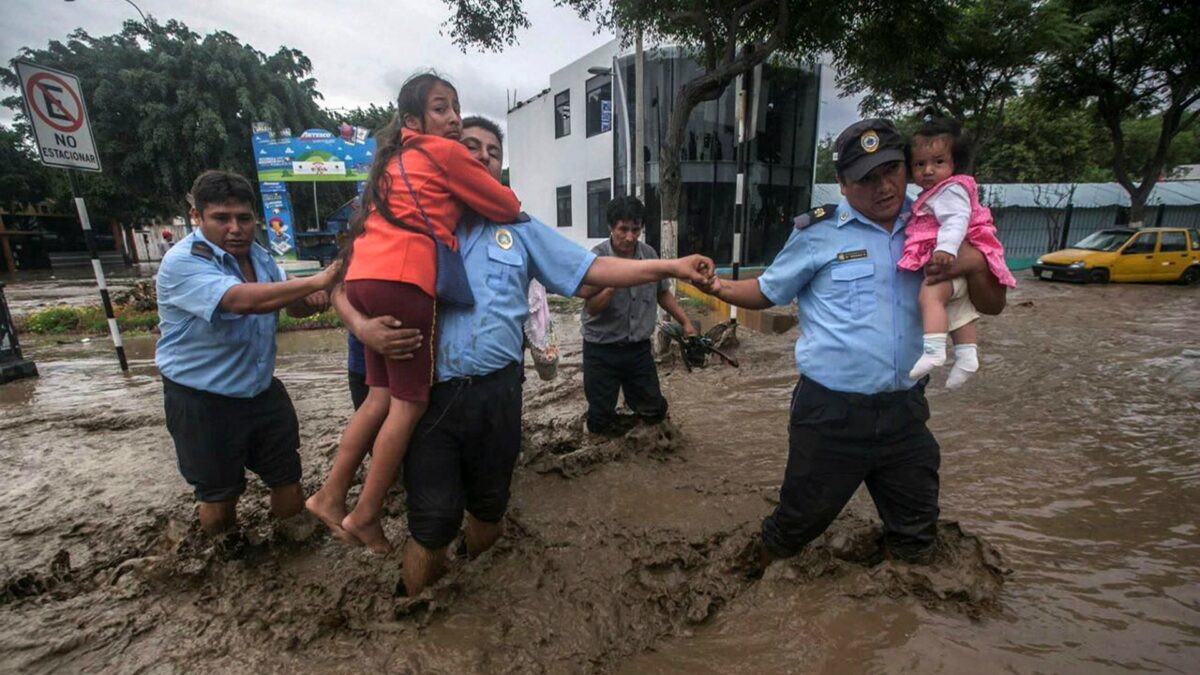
(781, 154)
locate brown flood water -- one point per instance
(1070, 466)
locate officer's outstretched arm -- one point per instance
(744, 293)
(270, 297)
(613, 272)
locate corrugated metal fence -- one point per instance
(1036, 218)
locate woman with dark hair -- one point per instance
(422, 178)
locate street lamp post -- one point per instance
(139, 9)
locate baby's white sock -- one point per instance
(933, 354)
(966, 362)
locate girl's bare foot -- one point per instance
(331, 512)
(369, 532)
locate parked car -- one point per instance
(1123, 254)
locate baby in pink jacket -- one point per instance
(946, 213)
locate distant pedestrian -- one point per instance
(617, 324)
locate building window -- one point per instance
(599, 105)
(562, 114)
(564, 206)
(599, 193)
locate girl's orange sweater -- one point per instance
(446, 179)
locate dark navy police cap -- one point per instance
(865, 145)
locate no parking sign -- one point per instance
(54, 106)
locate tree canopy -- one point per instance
(966, 58)
(166, 103)
(1132, 59)
(727, 38)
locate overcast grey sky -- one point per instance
(361, 50)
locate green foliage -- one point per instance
(326, 319)
(1036, 147)
(1131, 59)
(825, 171)
(166, 103)
(490, 25)
(90, 320)
(726, 37)
(966, 58)
(23, 178)
(54, 320)
(372, 117)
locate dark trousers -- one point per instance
(463, 453)
(611, 368)
(837, 441)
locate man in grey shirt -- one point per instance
(618, 324)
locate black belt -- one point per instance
(507, 371)
(884, 399)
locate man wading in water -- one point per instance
(219, 296)
(462, 455)
(855, 415)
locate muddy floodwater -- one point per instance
(1070, 542)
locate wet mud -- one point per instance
(1069, 542)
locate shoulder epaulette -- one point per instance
(202, 250)
(815, 215)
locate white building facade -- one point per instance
(560, 147)
(570, 148)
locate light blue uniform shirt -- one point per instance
(202, 347)
(500, 261)
(860, 322)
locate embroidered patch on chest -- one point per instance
(504, 239)
(852, 255)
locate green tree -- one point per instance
(23, 178)
(1133, 59)
(166, 104)
(825, 172)
(966, 58)
(1034, 146)
(726, 37)
(372, 117)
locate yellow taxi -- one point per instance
(1122, 254)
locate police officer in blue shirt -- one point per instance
(464, 450)
(855, 415)
(219, 294)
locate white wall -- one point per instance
(539, 163)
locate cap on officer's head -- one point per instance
(865, 145)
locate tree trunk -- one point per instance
(1137, 204)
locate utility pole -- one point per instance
(639, 121)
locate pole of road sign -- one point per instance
(99, 271)
(63, 135)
